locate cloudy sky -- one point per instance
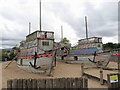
(16, 14)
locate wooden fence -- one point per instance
(48, 83)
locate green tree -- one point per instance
(65, 40)
(4, 55)
(12, 55)
(111, 45)
(74, 47)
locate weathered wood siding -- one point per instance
(48, 83)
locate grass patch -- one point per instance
(1, 61)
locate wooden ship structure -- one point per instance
(36, 52)
(88, 49)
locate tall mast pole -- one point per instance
(86, 27)
(29, 27)
(40, 15)
(61, 32)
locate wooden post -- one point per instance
(24, 84)
(86, 27)
(41, 83)
(49, 83)
(80, 82)
(9, 85)
(55, 83)
(108, 81)
(34, 84)
(29, 83)
(85, 83)
(40, 15)
(101, 76)
(61, 32)
(82, 69)
(67, 82)
(29, 27)
(15, 84)
(119, 61)
(20, 83)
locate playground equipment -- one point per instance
(88, 51)
(103, 59)
(38, 53)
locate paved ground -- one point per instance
(61, 70)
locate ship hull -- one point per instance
(44, 63)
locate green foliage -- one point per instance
(4, 55)
(110, 45)
(8, 54)
(74, 47)
(12, 55)
(64, 40)
(0, 61)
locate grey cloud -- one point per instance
(6, 39)
(101, 21)
(97, 18)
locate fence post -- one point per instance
(101, 76)
(85, 83)
(29, 83)
(24, 84)
(49, 83)
(82, 69)
(20, 83)
(41, 83)
(15, 84)
(9, 85)
(55, 83)
(34, 84)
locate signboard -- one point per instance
(113, 78)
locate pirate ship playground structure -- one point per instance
(38, 52)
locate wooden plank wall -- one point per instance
(48, 83)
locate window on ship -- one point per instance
(45, 43)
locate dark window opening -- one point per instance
(62, 48)
(62, 57)
(75, 58)
(45, 43)
(98, 45)
(21, 61)
(45, 34)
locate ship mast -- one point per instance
(40, 15)
(61, 32)
(86, 27)
(29, 27)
